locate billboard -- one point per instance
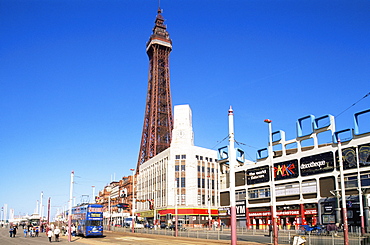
(286, 170)
(258, 175)
(316, 164)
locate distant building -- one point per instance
(116, 199)
(182, 179)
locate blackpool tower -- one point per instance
(158, 121)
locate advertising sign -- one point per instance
(350, 158)
(240, 208)
(315, 164)
(286, 170)
(258, 175)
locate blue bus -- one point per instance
(88, 219)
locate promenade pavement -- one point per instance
(111, 237)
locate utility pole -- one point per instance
(272, 196)
(232, 164)
(70, 208)
(49, 211)
(343, 189)
(133, 200)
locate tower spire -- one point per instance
(158, 120)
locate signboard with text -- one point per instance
(316, 164)
(258, 175)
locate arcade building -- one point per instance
(306, 176)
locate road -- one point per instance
(111, 237)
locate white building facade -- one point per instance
(182, 180)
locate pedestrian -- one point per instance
(11, 231)
(36, 231)
(56, 233)
(25, 231)
(14, 230)
(73, 229)
(50, 235)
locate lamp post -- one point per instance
(272, 188)
(359, 186)
(133, 200)
(176, 213)
(209, 203)
(70, 207)
(232, 164)
(343, 191)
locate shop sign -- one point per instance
(147, 213)
(328, 209)
(258, 175)
(224, 211)
(286, 170)
(315, 164)
(284, 213)
(240, 208)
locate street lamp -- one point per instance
(272, 192)
(209, 203)
(232, 164)
(133, 200)
(342, 186)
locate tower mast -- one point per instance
(158, 120)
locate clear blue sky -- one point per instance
(73, 76)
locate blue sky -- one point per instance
(73, 77)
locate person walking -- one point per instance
(11, 231)
(56, 233)
(15, 230)
(50, 234)
(25, 231)
(36, 231)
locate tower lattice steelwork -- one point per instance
(158, 121)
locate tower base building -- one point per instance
(181, 181)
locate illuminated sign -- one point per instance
(258, 175)
(286, 170)
(316, 164)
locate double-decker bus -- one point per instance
(88, 219)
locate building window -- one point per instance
(176, 168)
(240, 195)
(199, 186)
(201, 158)
(210, 159)
(198, 168)
(197, 157)
(182, 182)
(177, 157)
(183, 156)
(309, 187)
(182, 167)
(259, 193)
